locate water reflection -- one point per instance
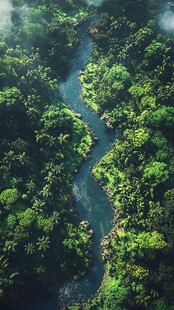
(91, 201)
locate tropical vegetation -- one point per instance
(129, 81)
(42, 143)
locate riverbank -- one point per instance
(43, 143)
(128, 79)
(89, 196)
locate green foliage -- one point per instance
(137, 137)
(29, 248)
(10, 96)
(154, 50)
(34, 30)
(27, 217)
(42, 144)
(9, 197)
(129, 80)
(161, 118)
(156, 172)
(43, 243)
(152, 240)
(117, 74)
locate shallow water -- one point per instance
(91, 201)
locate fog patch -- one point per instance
(24, 12)
(95, 2)
(167, 19)
(6, 8)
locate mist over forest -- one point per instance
(45, 245)
(6, 8)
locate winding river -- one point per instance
(91, 201)
(92, 204)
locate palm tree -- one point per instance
(30, 185)
(43, 243)
(51, 141)
(10, 246)
(63, 139)
(50, 178)
(46, 192)
(38, 204)
(29, 248)
(55, 217)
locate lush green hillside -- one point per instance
(129, 80)
(42, 143)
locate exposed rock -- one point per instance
(105, 244)
(110, 125)
(85, 224)
(104, 118)
(95, 138)
(81, 72)
(93, 30)
(78, 115)
(90, 233)
(107, 120)
(106, 255)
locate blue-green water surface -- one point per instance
(91, 201)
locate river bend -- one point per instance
(92, 204)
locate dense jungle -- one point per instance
(128, 82)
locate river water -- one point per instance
(92, 204)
